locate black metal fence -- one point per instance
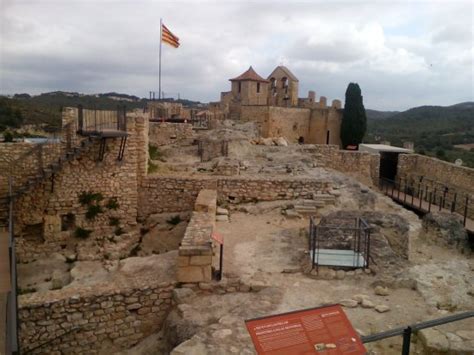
(339, 242)
(407, 331)
(426, 196)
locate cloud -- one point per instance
(402, 54)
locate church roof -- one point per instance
(249, 75)
(287, 71)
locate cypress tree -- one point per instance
(354, 120)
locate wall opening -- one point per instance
(240, 86)
(258, 87)
(68, 222)
(34, 232)
(327, 136)
(388, 165)
(301, 140)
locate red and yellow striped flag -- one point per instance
(168, 37)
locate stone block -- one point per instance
(200, 260)
(190, 274)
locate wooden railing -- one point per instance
(93, 121)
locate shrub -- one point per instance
(174, 220)
(112, 204)
(114, 221)
(7, 136)
(93, 211)
(86, 198)
(152, 168)
(82, 233)
(154, 152)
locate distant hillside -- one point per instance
(377, 115)
(434, 129)
(24, 109)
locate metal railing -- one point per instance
(427, 197)
(407, 331)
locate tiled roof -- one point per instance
(250, 75)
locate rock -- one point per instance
(359, 298)
(381, 308)
(292, 214)
(221, 333)
(340, 274)
(222, 218)
(266, 141)
(366, 303)
(205, 286)
(257, 286)
(70, 258)
(228, 320)
(381, 291)
(433, 341)
(190, 347)
(348, 303)
(281, 142)
(466, 334)
(181, 295)
(291, 270)
(222, 211)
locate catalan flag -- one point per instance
(168, 37)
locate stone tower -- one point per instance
(249, 88)
(283, 88)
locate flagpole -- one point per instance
(159, 70)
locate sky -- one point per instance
(402, 53)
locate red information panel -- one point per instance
(321, 331)
(219, 238)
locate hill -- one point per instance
(45, 109)
(435, 130)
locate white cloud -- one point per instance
(402, 54)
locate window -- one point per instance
(284, 82)
(273, 81)
(258, 87)
(240, 86)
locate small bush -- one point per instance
(174, 220)
(86, 198)
(7, 136)
(152, 168)
(112, 204)
(93, 211)
(154, 152)
(82, 233)
(114, 221)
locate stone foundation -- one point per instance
(164, 133)
(177, 194)
(196, 250)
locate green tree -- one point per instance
(354, 120)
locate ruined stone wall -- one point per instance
(459, 177)
(177, 194)
(164, 133)
(92, 320)
(196, 250)
(40, 213)
(258, 114)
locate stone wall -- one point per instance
(196, 250)
(93, 320)
(176, 194)
(164, 133)
(363, 166)
(449, 174)
(313, 124)
(40, 214)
